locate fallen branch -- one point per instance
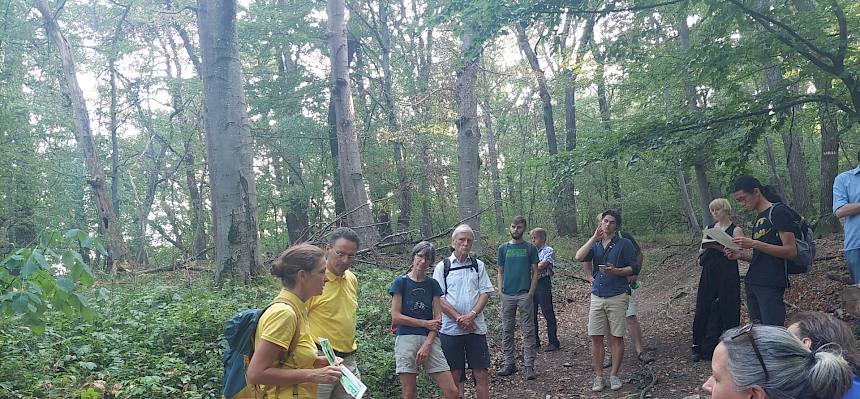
(832, 257)
(182, 264)
(380, 245)
(644, 393)
(669, 256)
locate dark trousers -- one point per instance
(718, 305)
(543, 299)
(765, 304)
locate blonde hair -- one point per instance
(721, 203)
(537, 231)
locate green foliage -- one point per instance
(46, 276)
(162, 337)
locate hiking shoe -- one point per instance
(551, 348)
(530, 373)
(614, 382)
(597, 386)
(507, 370)
(696, 355)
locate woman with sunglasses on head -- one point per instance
(768, 362)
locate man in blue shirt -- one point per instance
(616, 260)
(846, 205)
(517, 277)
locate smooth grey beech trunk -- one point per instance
(228, 144)
(468, 135)
(356, 201)
(108, 227)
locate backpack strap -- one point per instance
(295, 340)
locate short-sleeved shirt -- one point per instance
(621, 253)
(517, 261)
(846, 190)
(546, 253)
(332, 313)
(768, 270)
(461, 291)
(277, 325)
(417, 301)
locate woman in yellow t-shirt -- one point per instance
(301, 269)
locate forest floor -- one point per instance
(666, 304)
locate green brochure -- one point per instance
(351, 384)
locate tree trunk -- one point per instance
(775, 180)
(229, 144)
(108, 227)
(197, 221)
(404, 185)
(829, 152)
(792, 143)
(702, 158)
(468, 134)
(493, 163)
(349, 160)
(543, 88)
(612, 181)
(336, 191)
(114, 142)
(565, 217)
(704, 193)
(688, 205)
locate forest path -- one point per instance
(666, 304)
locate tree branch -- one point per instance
(562, 9)
(766, 22)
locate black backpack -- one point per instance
(805, 242)
(446, 269)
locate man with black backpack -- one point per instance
(773, 245)
(466, 288)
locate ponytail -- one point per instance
(770, 194)
(829, 375)
(748, 184)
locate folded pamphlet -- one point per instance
(351, 384)
(721, 237)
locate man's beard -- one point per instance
(516, 236)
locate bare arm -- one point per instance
(787, 250)
(533, 285)
(499, 277)
(261, 369)
(847, 210)
(588, 268)
(402, 320)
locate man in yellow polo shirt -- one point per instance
(331, 315)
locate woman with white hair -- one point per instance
(759, 362)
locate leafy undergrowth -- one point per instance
(161, 337)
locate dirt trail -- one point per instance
(666, 303)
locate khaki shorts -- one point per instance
(406, 349)
(608, 315)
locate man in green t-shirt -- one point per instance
(517, 278)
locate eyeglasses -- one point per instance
(748, 329)
(345, 254)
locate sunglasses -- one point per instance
(748, 329)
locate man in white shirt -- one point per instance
(466, 288)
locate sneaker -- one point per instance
(551, 348)
(614, 382)
(530, 373)
(507, 370)
(597, 386)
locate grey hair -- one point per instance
(463, 228)
(794, 371)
